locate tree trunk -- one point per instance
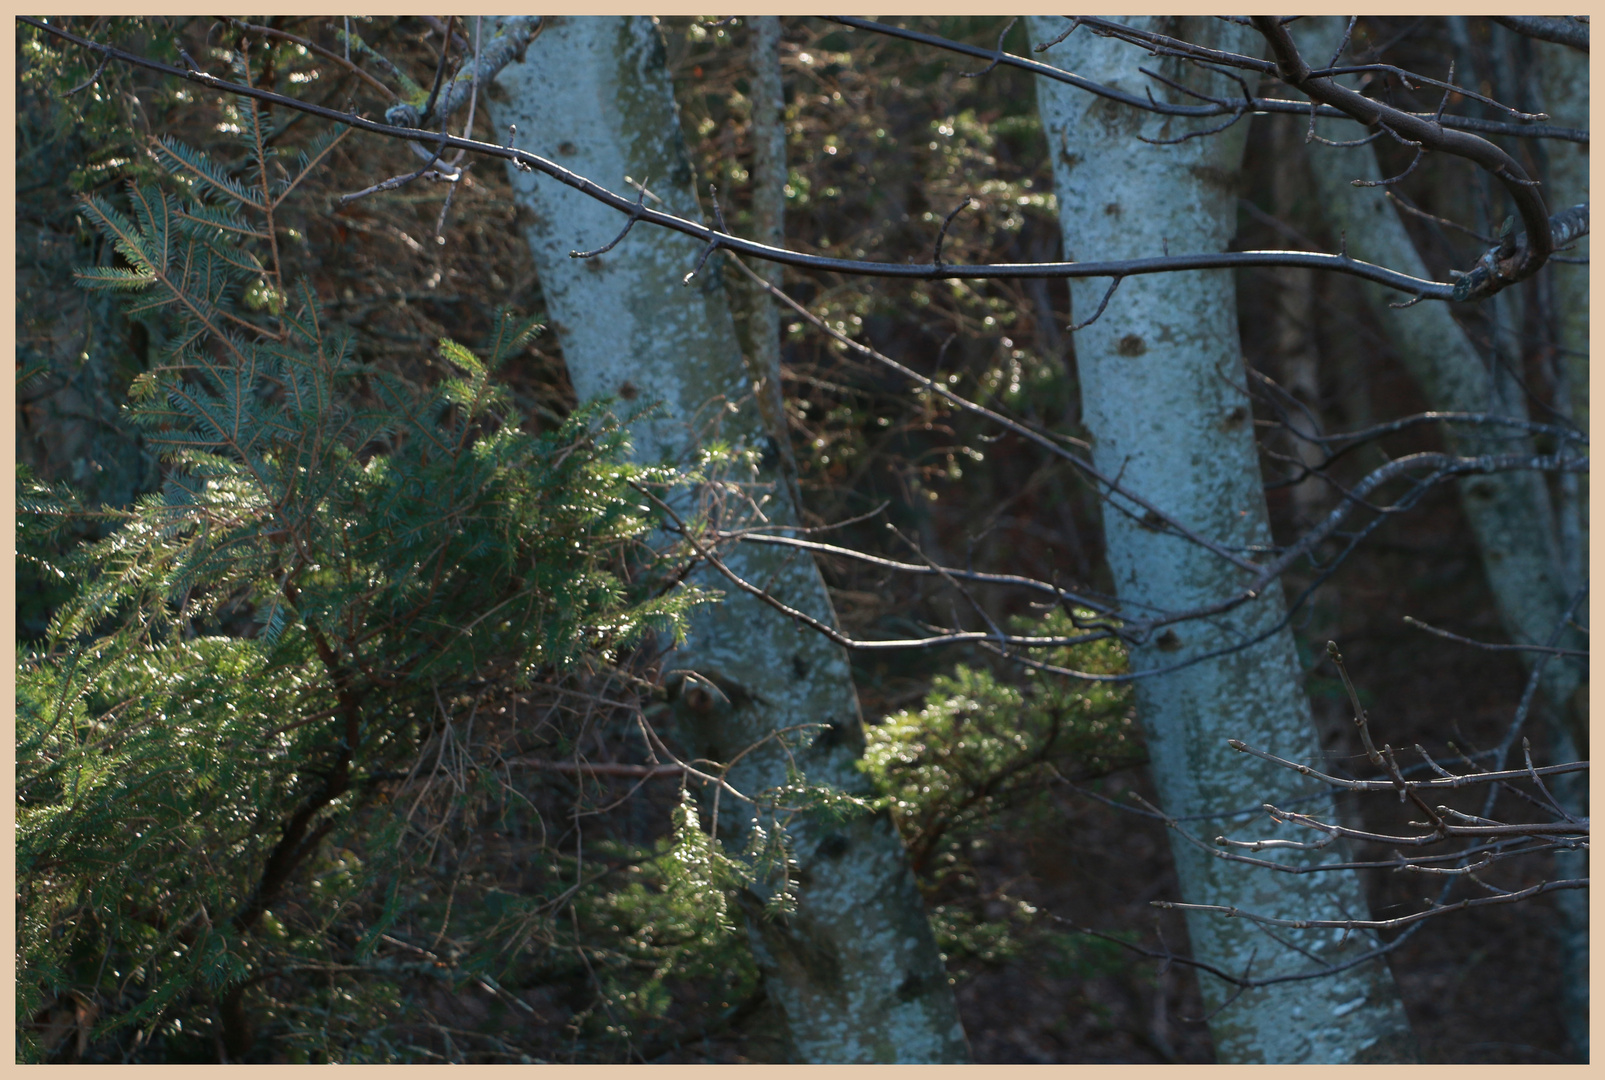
(1563, 93)
(1161, 374)
(1563, 84)
(1521, 538)
(855, 969)
(768, 97)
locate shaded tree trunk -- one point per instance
(1563, 86)
(855, 970)
(1520, 534)
(1161, 376)
(768, 97)
(1563, 93)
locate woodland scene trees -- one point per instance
(749, 539)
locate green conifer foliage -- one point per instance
(982, 751)
(254, 656)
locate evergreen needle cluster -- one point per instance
(253, 820)
(255, 655)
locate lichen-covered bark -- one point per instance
(855, 970)
(1161, 377)
(1519, 535)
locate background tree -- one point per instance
(1521, 531)
(942, 400)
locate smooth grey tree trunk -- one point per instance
(1520, 536)
(855, 971)
(1162, 390)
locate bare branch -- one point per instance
(312, 46)
(1492, 273)
(1380, 924)
(87, 83)
(1509, 267)
(1255, 104)
(1569, 30)
(998, 52)
(1113, 285)
(1450, 783)
(1240, 981)
(600, 768)
(1340, 263)
(1491, 647)
(936, 257)
(613, 243)
(978, 576)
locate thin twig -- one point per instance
(440, 74)
(1378, 924)
(1447, 781)
(941, 234)
(988, 69)
(87, 83)
(312, 46)
(714, 239)
(1490, 646)
(613, 243)
(1113, 285)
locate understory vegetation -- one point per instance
(343, 726)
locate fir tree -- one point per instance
(252, 657)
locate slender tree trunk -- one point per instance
(1563, 93)
(854, 970)
(1520, 536)
(768, 97)
(1161, 376)
(1293, 321)
(1563, 86)
(1510, 513)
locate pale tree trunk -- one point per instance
(854, 971)
(1522, 540)
(1161, 377)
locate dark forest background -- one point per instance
(483, 957)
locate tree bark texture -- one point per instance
(1563, 92)
(855, 969)
(1163, 396)
(1519, 534)
(768, 97)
